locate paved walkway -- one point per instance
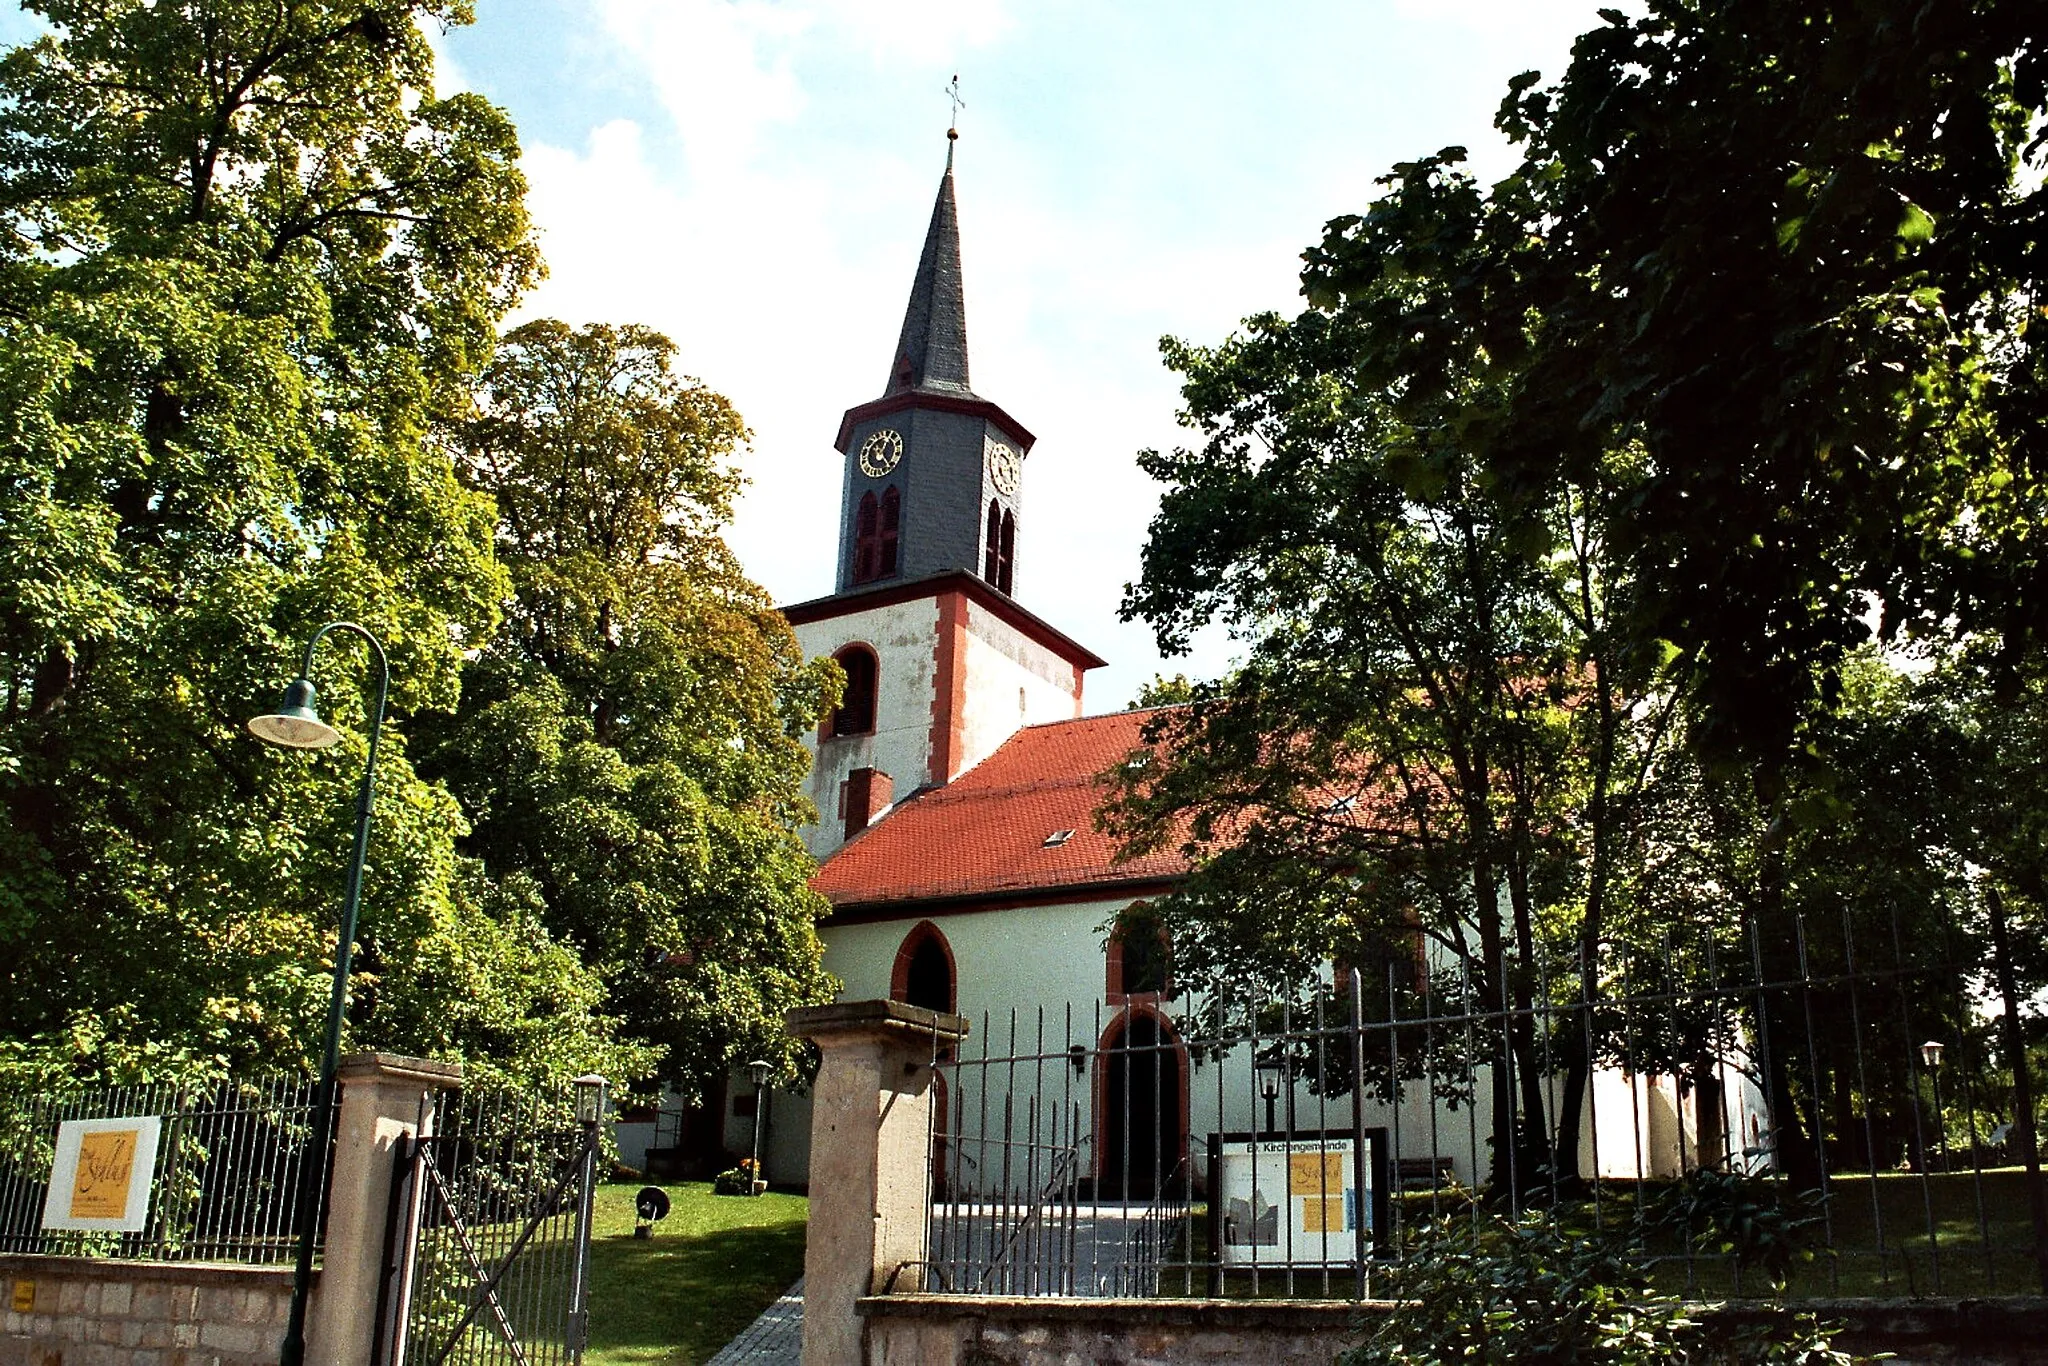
(774, 1339)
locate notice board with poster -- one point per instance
(101, 1179)
(1283, 1200)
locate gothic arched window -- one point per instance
(924, 974)
(991, 564)
(1006, 561)
(892, 518)
(867, 540)
(855, 714)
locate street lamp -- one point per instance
(759, 1071)
(1269, 1070)
(1930, 1053)
(296, 725)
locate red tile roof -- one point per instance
(984, 833)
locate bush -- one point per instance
(737, 1180)
(1533, 1291)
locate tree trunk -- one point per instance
(2014, 1040)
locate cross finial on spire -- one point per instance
(953, 129)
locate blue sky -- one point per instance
(753, 177)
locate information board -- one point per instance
(100, 1182)
(1293, 1200)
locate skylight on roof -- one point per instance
(1057, 837)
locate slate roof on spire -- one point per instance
(931, 355)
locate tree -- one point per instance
(627, 747)
(250, 260)
(1745, 339)
(1794, 253)
(1434, 734)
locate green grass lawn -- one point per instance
(713, 1265)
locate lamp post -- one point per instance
(1269, 1070)
(759, 1071)
(296, 725)
(1930, 1053)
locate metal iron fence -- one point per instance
(1807, 1118)
(494, 1218)
(229, 1161)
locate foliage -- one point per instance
(737, 1180)
(1533, 1290)
(250, 260)
(1562, 521)
(1793, 253)
(626, 748)
(1435, 746)
(1730, 1213)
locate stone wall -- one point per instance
(963, 1330)
(79, 1311)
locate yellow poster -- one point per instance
(1316, 1173)
(106, 1166)
(1323, 1214)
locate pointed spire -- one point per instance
(932, 352)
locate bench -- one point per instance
(1424, 1173)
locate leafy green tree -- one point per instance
(1434, 735)
(627, 747)
(249, 261)
(1794, 252)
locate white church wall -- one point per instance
(901, 635)
(1012, 681)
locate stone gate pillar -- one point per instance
(382, 1099)
(870, 1182)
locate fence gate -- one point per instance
(490, 1231)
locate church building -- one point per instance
(957, 783)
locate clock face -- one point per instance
(880, 453)
(1004, 464)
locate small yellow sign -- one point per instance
(1322, 1214)
(106, 1163)
(1316, 1173)
(24, 1297)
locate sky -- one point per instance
(754, 177)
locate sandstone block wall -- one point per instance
(89, 1312)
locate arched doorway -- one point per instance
(1141, 1124)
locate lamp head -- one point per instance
(590, 1098)
(295, 724)
(759, 1071)
(1930, 1052)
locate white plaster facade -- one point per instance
(954, 679)
(903, 636)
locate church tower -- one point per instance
(933, 470)
(942, 662)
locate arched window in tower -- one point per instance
(892, 519)
(1007, 560)
(855, 714)
(866, 539)
(992, 562)
(924, 974)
